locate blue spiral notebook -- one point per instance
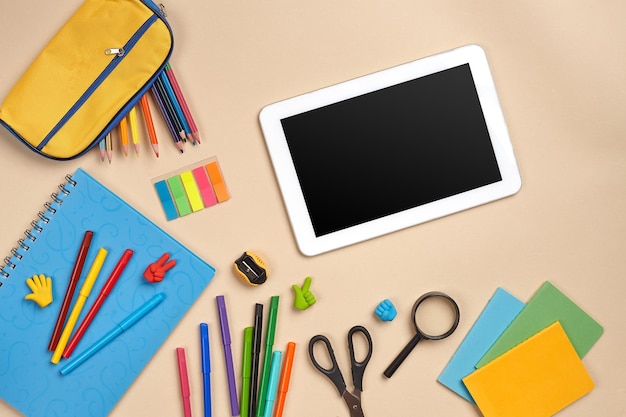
(28, 380)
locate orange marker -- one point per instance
(285, 377)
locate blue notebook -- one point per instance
(499, 312)
(28, 380)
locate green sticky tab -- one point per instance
(547, 306)
(179, 196)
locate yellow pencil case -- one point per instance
(88, 77)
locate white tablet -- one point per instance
(390, 150)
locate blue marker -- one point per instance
(206, 367)
(272, 385)
(127, 323)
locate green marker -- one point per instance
(267, 356)
(246, 371)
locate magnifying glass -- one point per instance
(420, 334)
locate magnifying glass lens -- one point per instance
(435, 316)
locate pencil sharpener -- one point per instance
(251, 269)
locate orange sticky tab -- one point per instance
(219, 186)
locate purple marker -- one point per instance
(228, 354)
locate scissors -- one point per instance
(352, 399)
(420, 334)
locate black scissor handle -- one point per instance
(358, 367)
(333, 373)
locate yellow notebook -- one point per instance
(538, 377)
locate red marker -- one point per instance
(184, 381)
(106, 289)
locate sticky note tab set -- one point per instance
(524, 359)
(191, 189)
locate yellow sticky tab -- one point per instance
(538, 378)
(191, 189)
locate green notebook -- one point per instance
(544, 308)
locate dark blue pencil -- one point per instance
(169, 108)
(168, 122)
(177, 108)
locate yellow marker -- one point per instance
(134, 129)
(80, 302)
(192, 191)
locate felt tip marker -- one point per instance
(205, 349)
(228, 355)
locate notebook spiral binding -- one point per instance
(37, 226)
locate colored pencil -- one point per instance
(168, 122)
(109, 146)
(134, 129)
(169, 107)
(183, 103)
(103, 149)
(147, 117)
(124, 134)
(176, 105)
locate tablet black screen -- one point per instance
(392, 149)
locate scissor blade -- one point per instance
(354, 404)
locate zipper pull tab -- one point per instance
(114, 51)
(163, 11)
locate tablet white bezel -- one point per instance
(270, 119)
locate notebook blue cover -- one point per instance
(497, 315)
(28, 380)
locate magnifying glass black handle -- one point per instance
(391, 369)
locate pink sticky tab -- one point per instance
(204, 186)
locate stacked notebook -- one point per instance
(524, 359)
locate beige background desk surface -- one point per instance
(559, 68)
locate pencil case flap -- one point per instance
(88, 76)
